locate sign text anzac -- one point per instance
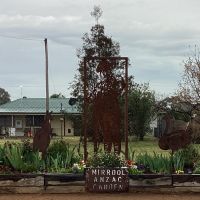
(106, 180)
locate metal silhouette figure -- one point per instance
(174, 139)
(104, 100)
(41, 139)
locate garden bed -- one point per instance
(64, 171)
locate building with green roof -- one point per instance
(24, 116)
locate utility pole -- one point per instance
(47, 77)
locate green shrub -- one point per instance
(184, 159)
(178, 161)
(65, 150)
(156, 163)
(135, 171)
(55, 164)
(131, 153)
(27, 149)
(58, 147)
(61, 156)
(14, 155)
(105, 160)
(2, 156)
(197, 168)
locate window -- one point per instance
(5, 121)
(34, 120)
(38, 120)
(69, 130)
(18, 123)
(29, 120)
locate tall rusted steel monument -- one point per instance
(101, 100)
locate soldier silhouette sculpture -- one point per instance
(106, 109)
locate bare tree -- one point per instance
(189, 86)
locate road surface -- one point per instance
(127, 196)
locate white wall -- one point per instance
(20, 125)
(56, 126)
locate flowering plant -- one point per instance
(129, 163)
(78, 167)
(179, 172)
(133, 168)
(106, 160)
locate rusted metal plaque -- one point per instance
(106, 180)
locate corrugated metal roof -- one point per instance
(37, 105)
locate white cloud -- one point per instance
(154, 34)
(31, 19)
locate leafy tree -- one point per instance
(57, 96)
(95, 43)
(140, 109)
(4, 96)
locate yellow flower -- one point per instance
(179, 172)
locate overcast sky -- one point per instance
(155, 34)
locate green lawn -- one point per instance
(149, 144)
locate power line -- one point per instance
(20, 38)
(31, 39)
(33, 86)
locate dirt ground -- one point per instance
(136, 196)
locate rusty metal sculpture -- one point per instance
(104, 100)
(41, 139)
(106, 107)
(174, 139)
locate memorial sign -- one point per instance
(107, 180)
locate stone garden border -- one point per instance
(75, 183)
